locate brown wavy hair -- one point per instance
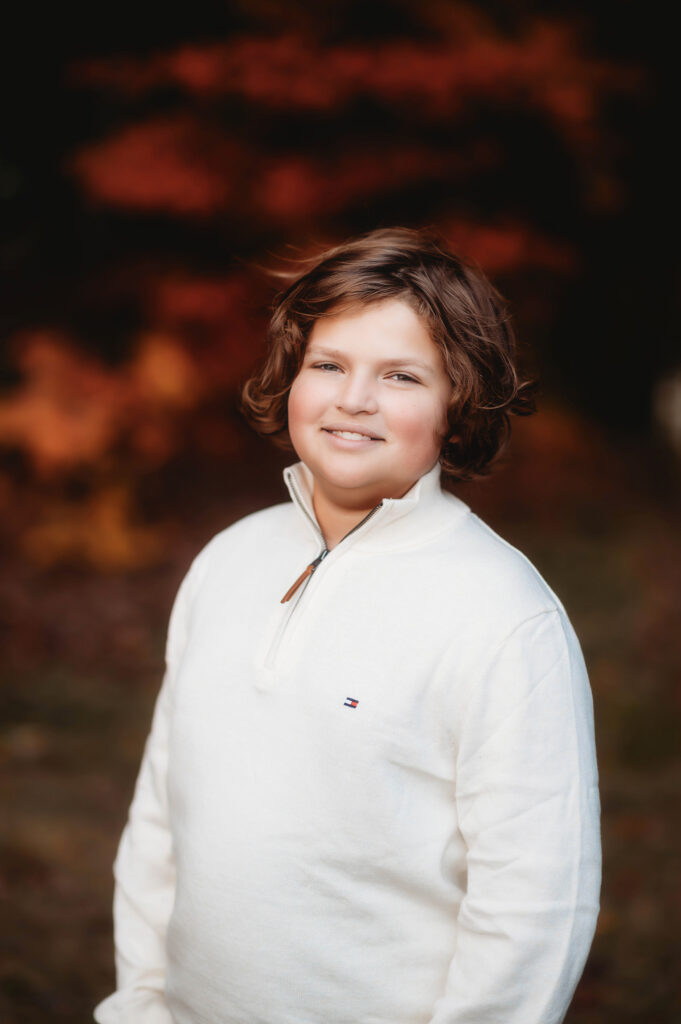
(464, 314)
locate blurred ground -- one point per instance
(84, 662)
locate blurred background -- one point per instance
(154, 162)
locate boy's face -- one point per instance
(367, 410)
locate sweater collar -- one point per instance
(424, 511)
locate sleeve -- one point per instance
(529, 813)
(144, 868)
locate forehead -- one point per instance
(390, 324)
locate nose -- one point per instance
(357, 394)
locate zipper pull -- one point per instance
(303, 576)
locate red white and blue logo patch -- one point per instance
(351, 702)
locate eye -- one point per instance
(324, 366)
(404, 377)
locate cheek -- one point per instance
(297, 418)
(306, 402)
(421, 425)
(298, 403)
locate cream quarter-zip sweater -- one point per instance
(376, 803)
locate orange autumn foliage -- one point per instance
(70, 409)
(169, 163)
(193, 165)
(544, 66)
(100, 531)
(508, 246)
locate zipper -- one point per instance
(275, 645)
(304, 575)
(307, 572)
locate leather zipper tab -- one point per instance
(303, 576)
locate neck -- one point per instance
(336, 520)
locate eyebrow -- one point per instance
(334, 353)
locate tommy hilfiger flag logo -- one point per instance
(350, 702)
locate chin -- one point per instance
(350, 480)
(344, 475)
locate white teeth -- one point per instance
(351, 435)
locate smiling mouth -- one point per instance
(352, 435)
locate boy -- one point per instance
(369, 795)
